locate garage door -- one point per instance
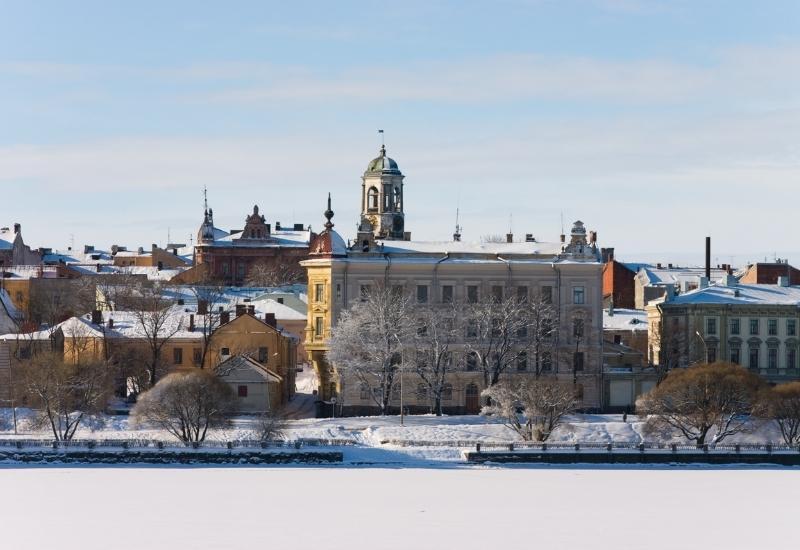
(621, 391)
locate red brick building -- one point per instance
(768, 273)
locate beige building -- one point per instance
(567, 272)
(752, 325)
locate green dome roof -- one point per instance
(383, 163)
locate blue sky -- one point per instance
(656, 123)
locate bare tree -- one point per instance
(783, 402)
(532, 407)
(186, 405)
(65, 392)
(58, 300)
(438, 329)
(270, 426)
(694, 400)
(368, 341)
(269, 274)
(210, 297)
(495, 333)
(540, 332)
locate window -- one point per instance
(711, 354)
(753, 326)
(263, 355)
(791, 327)
(547, 327)
(241, 391)
(319, 292)
(364, 392)
(240, 270)
(522, 294)
(547, 294)
(447, 294)
(472, 294)
(397, 291)
(472, 360)
(772, 327)
(577, 361)
(226, 269)
(364, 292)
(753, 357)
(422, 294)
(225, 351)
(547, 362)
(711, 325)
(735, 355)
(522, 361)
(421, 358)
(177, 356)
(447, 392)
(372, 199)
(772, 358)
(791, 358)
(472, 328)
(319, 325)
(577, 328)
(422, 328)
(496, 328)
(497, 293)
(735, 328)
(197, 355)
(578, 295)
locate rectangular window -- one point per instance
(447, 294)
(447, 392)
(791, 327)
(263, 355)
(497, 293)
(496, 328)
(547, 294)
(225, 351)
(177, 356)
(577, 361)
(753, 357)
(319, 292)
(772, 327)
(736, 355)
(319, 325)
(472, 294)
(522, 294)
(522, 361)
(578, 295)
(338, 291)
(772, 358)
(753, 326)
(197, 355)
(735, 328)
(711, 326)
(547, 362)
(226, 269)
(241, 391)
(364, 392)
(422, 294)
(577, 328)
(791, 358)
(472, 361)
(397, 290)
(422, 328)
(472, 328)
(240, 270)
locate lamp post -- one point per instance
(705, 346)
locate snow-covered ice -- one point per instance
(124, 508)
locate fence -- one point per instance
(593, 446)
(151, 444)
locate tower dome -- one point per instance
(383, 164)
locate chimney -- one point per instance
(17, 229)
(509, 237)
(277, 226)
(140, 250)
(97, 317)
(97, 267)
(202, 307)
(783, 281)
(592, 237)
(88, 248)
(251, 310)
(110, 322)
(269, 319)
(456, 236)
(607, 254)
(240, 309)
(708, 258)
(669, 266)
(658, 266)
(299, 227)
(529, 238)
(114, 249)
(224, 317)
(191, 322)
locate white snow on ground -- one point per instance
(304, 508)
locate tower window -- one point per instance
(372, 199)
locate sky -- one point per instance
(655, 123)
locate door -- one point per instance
(473, 399)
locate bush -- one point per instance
(186, 405)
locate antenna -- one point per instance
(511, 223)
(205, 198)
(169, 238)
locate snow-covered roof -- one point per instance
(463, 247)
(31, 272)
(285, 238)
(625, 319)
(7, 237)
(741, 294)
(664, 276)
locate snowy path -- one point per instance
(353, 509)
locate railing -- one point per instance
(244, 444)
(594, 446)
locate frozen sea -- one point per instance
(121, 508)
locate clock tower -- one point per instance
(382, 199)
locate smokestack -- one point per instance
(708, 258)
(191, 322)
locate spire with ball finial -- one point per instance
(329, 215)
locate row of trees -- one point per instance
(388, 331)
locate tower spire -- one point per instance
(457, 233)
(329, 215)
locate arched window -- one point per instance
(372, 199)
(398, 207)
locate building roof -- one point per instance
(650, 275)
(740, 294)
(625, 319)
(383, 164)
(7, 237)
(283, 238)
(226, 367)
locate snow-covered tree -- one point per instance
(695, 400)
(185, 404)
(532, 407)
(783, 403)
(437, 330)
(270, 274)
(369, 340)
